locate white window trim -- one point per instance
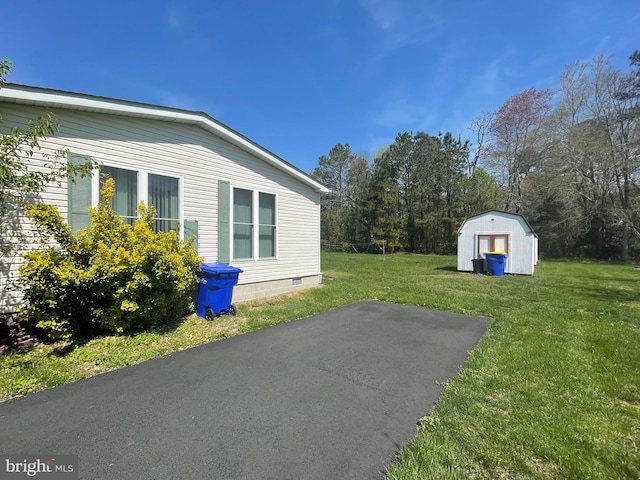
(255, 214)
(233, 225)
(143, 187)
(256, 197)
(509, 235)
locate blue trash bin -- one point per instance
(495, 263)
(216, 290)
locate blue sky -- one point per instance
(299, 76)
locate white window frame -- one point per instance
(255, 214)
(143, 187)
(233, 224)
(256, 197)
(477, 236)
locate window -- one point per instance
(267, 226)
(79, 195)
(492, 243)
(132, 187)
(164, 196)
(242, 224)
(125, 201)
(162, 192)
(249, 209)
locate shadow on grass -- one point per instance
(606, 294)
(66, 348)
(447, 268)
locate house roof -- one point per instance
(501, 212)
(28, 95)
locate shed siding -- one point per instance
(200, 159)
(522, 242)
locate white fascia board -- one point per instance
(118, 107)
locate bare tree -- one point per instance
(518, 145)
(615, 103)
(595, 154)
(481, 128)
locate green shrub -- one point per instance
(111, 276)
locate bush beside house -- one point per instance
(108, 277)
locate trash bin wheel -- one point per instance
(209, 314)
(232, 310)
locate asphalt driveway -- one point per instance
(332, 396)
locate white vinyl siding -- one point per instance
(498, 231)
(199, 160)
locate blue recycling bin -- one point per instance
(216, 289)
(495, 263)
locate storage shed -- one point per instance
(498, 231)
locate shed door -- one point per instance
(492, 243)
(484, 245)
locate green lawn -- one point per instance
(552, 391)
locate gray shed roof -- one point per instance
(502, 212)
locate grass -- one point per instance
(552, 391)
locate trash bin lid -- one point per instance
(214, 268)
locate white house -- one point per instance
(245, 205)
(497, 231)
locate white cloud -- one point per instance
(181, 17)
(176, 100)
(383, 12)
(447, 101)
(153, 94)
(375, 145)
(399, 112)
(490, 79)
(174, 19)
(403, 22)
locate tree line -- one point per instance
(568, 160)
